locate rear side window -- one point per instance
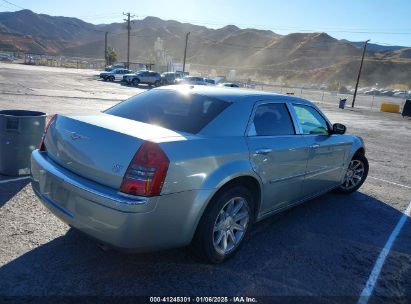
(272, 120)
(173, 110)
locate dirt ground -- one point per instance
(323, 250)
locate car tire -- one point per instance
(135, 82)
(104, 78)
(219, 225)
(355, 175)
(111, 78)
(156, 83)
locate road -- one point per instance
(322, 251)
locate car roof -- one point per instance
(234, 94)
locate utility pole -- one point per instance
(185, 53)
(359, 73)
(105, 48)
(128, 37)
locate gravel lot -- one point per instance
(323, 250)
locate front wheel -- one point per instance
(111, 78)
(355, 175)
(156, 83)
(135, 82)
(224, 225)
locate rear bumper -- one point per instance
(132, 224)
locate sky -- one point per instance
(384, 22)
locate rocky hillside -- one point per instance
(259, 54)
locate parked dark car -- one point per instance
(209, 81)
(170, 78)
(194, 80)
(144, 77)
(114, 66)
(229, 85)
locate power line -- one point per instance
(13, 4)
(269, 27)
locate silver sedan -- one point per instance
(191, 165)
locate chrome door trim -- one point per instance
(306, 174)
(283, 179)
(320, 171)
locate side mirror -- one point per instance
(338, 128)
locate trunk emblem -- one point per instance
(75, 136)
(116, 168)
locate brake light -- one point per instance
(147, 171)
(42, 146)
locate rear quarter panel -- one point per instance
(219, 152)
(205, 163)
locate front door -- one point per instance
(326, 152)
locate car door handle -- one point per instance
(315, 146)
(263, 151)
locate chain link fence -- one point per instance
(372, 102)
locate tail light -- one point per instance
(42, 146)
(147, 171)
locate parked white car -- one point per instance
(116, 74)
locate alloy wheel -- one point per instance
(353, 175)
(231, 225)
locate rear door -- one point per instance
(326, 151)
(278, 154)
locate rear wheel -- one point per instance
(355, 175)
(111, 78)
(156, 83)
(224, 225)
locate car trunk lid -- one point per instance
(100, 146)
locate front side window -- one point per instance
(310, 120)
(271, 120)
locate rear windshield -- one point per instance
(173, 110)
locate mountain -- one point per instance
(25, 22)
(376, 48)
(257, 54)
(404, 53)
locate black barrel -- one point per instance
(342, 102)
(406, 110)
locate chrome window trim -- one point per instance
(293, 114)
